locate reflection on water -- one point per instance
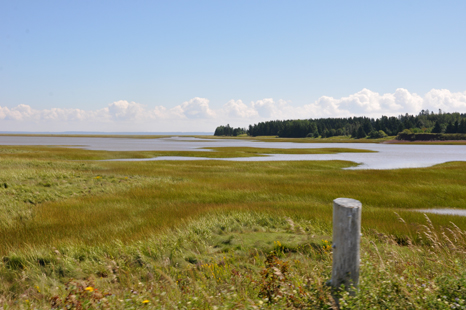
(444, 211)
(388, 156)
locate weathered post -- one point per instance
(346, 240)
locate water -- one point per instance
(444, 211)
(388, 156)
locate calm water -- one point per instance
(388, 156)
(444, 211)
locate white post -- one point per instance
(346, 240)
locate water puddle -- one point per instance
(444, 211)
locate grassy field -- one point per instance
(75, 232)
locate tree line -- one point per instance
(229, 131)
(356, 127)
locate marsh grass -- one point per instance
(69, 153)
(165, 192)
(335, 139)
(197, 234)
(239, 259)
(227, 152)
(26, 186)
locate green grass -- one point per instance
(335, 139)
(195, 234)
(218, 261)
(68, 153)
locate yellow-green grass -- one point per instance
(228, 152)
(53, 153)
(446, 142)
(166, 192)
(335, 139)
(194, 234)
(218, 261)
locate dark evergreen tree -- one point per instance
(455, 122)
(361, 133)
(367, 125)
(325, 134)
(437, 128)
(229, 131)
(462, 126)
(450, 128)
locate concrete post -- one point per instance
(346, 240)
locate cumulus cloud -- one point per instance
(268, 108)
(237, 109)
(125, 110)
(445, 100)
(369, 103)
(186, 116)
(194, 108)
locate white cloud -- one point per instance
(195, 108)
(373, 104)
(237, 109)
(445, 100)
(268, 108)
(197, 115)
(125, 110)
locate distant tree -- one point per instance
(400, 128)
(437, 128)
(325, 133)
(367, 126)
(408, 124)
(462, 126)
(361, 133)
(327, 127)
(450, 128)
(229, 131)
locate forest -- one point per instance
(356, 127)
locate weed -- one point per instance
(81, 295)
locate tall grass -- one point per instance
(166, 192)
(196, 229)
(221, 260)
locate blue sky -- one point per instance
(193, 65)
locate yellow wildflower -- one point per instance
(89, 289)
(145, 301)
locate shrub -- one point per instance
(377, 134)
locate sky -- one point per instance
(194, 65)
